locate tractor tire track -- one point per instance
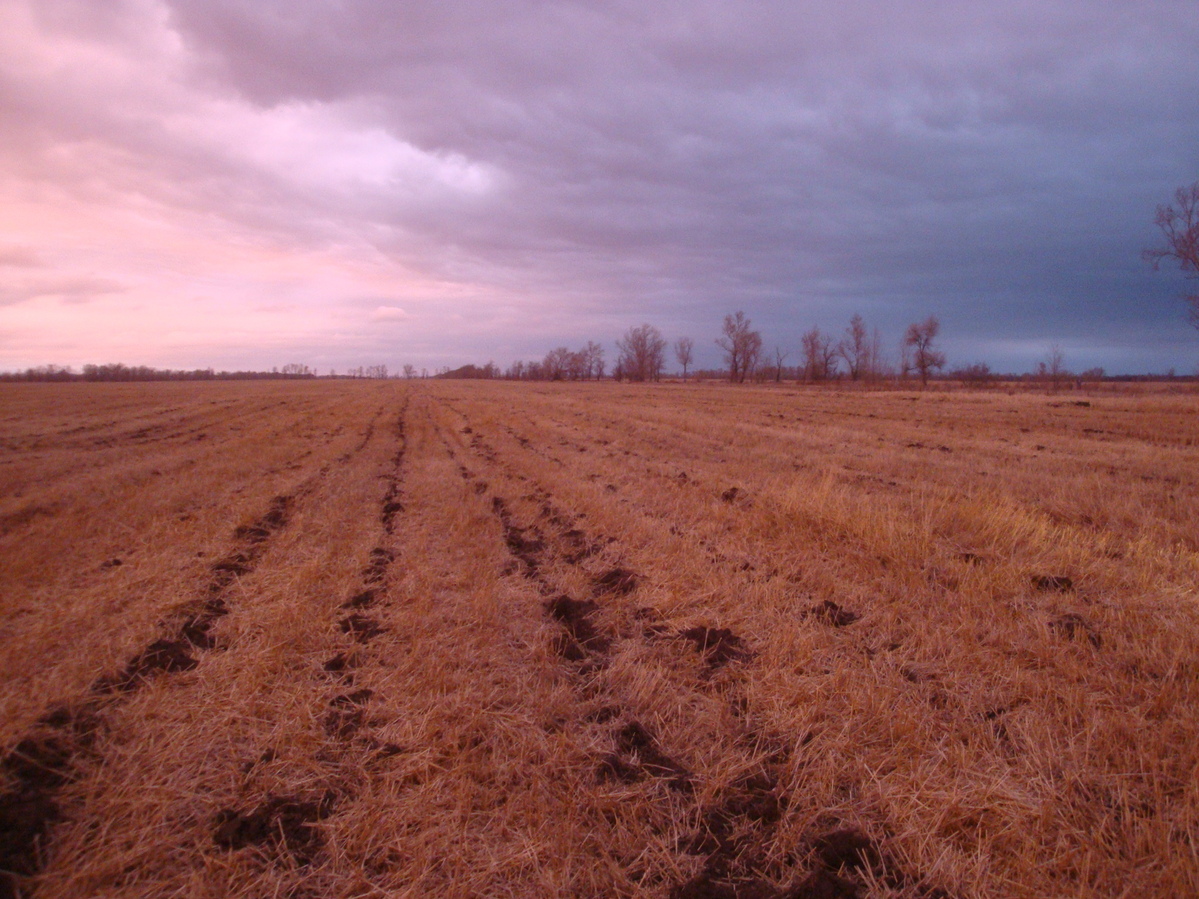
(287, 829)
(61, 745)
(732, 832)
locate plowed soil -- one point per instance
(368, 639)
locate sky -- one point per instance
(251, 183)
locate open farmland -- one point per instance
(320, 639)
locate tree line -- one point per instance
(116, 371)
(642, 356)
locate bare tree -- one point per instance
(779, 356)
(556, 363)
(594, 354)
(1055, 366)
(576, 366)
(642, 352)
(683, 348)
(919, 338)
(1181, 229)
(741, 344)
(976, 375)
(854, 348)
(819, 355)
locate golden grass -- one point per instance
(1013, 709)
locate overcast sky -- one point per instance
(247, 183)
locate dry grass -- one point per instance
(814, 644)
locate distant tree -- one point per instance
(779, 356)
(642, 353)
(683, 348)
(875, 363)
(576, 366)
(594, 356)
(975, 375)
(854, 348)
(919, 339)
(1181, 229)
(556, 363)
(741, 344)
(819, 355)
(1055, 366)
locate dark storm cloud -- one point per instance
(792, 158)
(580, 167)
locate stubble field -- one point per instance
(367, 639)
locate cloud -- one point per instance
(71, 290)
(19, 257)
(389, 314)
(563, 170)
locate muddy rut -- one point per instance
(54, 759)
(727, 827)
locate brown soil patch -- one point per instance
(287, 824)
(159, 657)
(1057, 583)
(1072, 625)
(717, 645)
(376, 569)
(638, 748)
(347, 714)
(832, 614)
(575, 615)
(363, 600)
(197, 630)
(822, 885)
(847, 848)
(361, 627)
(619, 581)
(36, 769)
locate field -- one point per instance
(456, 639)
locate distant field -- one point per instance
(367, 639)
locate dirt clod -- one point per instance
(251, 533)
(363, 600)
(35, 770)
(847, 848)
(619, 581)
(234, 565)
(361, 627)
(614, 768)
(520, 544)
(1072, 625)
(1057, 583)
(635, 742)
(347, 714)
(704, 887)
(822, 885)
(197, 630)
(717, 645)
(339, 663)
(286, 823)
(575, 615)
(832, 614)
(159, 657)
